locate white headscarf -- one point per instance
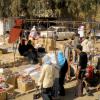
(46, 59)
(33, 28)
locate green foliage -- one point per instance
(65, 8)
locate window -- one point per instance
(62, 30)
(51, 29)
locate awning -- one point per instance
(14, 35)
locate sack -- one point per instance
(79, 89)
(89, 72)
(37, 94)
(45, 97)
(47, 93)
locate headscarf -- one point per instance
(33, 28)
(53, 58)
(60, 58)
(46, 59)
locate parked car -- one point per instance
(97, 34)
(61, 32)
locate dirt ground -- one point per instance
(70, 86)
(70, 94)
(4, 57)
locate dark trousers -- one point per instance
(46, 93)
(62, 75)
(80, 84)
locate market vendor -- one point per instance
(34, 34)
(22, 48)
(80, 74)
(32, 52)
(28, 50)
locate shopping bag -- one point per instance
(79, 89)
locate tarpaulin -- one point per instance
(14, 35)
(19, 22)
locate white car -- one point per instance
(61, 32)
(97, 34)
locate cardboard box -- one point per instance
(12, 80)
(10, 89)
(49, 41)
(3, 95)
(39, 41)
(25, 86)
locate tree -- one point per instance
(65, 8)
(4, 8)
(15, 8)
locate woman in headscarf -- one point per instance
(62, 62)
(33, 33)
(46, 79)
(55, 89)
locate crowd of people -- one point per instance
(56, 65)
(26, 49)
(26, 46)
(56, 69)
(57, 73)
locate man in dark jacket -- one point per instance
(22, 48)
(27, 50)
(32, 53)
(83, 60)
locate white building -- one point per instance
(6, 25)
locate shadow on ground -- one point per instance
(70, 94)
